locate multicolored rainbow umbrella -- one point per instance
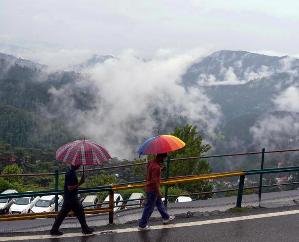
(160, 144)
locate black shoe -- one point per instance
(56, 232)
(88, 231)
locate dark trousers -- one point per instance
(67, 206)
(152, 200)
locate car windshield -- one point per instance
(43, 203)
(105, 203)
(86, 204)
(3, 200)
(22, 201)
(133, 202)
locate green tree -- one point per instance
(195, 147)
(139, 171)
(4, 184)
(13, 169)
(100, 180)
(175, 191)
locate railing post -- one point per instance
(111, 206)
(240, 191)
(261, 176)
(166, 177)
(56, 189)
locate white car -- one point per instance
(46, 204)
(163, 200)
(183, 199)
(23, 205)
(5, 203)
(135, 200)
(90, 201)
(118, 202)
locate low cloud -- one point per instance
(280, 128)
(130, 93)
(53, 58)
(276, 131)
(288, 100)
(228, 76)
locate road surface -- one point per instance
(275, 226)
(269, 200)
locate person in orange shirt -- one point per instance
(153, 194)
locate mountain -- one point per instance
(18, 68)
(29, 116)
(237, 67)
(251, 90)
(92, 61)
(245, 85)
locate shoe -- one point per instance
(88, 230)
(167, 221)
(147, 227)
(56, 232)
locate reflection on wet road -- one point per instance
(244, 228)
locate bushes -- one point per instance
(174, 192)
(11, 182)
(100, 180)
(13, 169)
(4, 184)
(126, 193)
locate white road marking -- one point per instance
(155, 227)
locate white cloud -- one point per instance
(262, 72)
(130, 90)
(288, 100)
(276, 131)
(279, 130)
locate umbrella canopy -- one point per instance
(160, 144)
(82, 152)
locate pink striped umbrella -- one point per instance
(82, 152)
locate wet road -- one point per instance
(274, 199)
(278, 226)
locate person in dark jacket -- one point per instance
(71, 202)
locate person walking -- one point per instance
(153, 194)
(71, 202)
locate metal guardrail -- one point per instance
(167, 181)
(260, 172)
(180, 179)
(57, 192)
(116, 187)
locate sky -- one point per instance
(110, 27)
(155, 42)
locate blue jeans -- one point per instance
(152, 200)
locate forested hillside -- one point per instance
(252, 95)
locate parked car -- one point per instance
(23, 204)
(163, 200)
(46, 204)
(5, 203)
(118, 202)
(135, 200)
(90, 201)
(183, 199)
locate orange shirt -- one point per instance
(153, 176)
